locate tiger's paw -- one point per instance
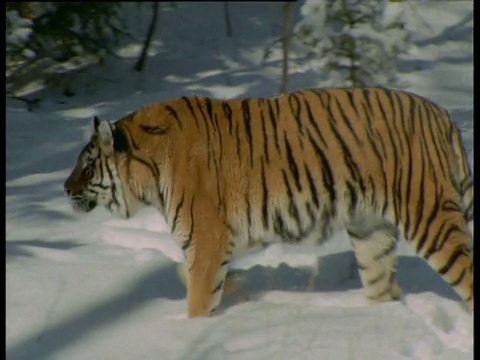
(233, 279)
(392, 293)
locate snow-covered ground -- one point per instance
(95, 287)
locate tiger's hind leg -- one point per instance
(443, 239)
(375, 251)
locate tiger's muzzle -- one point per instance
(78, 199)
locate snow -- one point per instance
(96, 287)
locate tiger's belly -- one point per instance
(253, 238)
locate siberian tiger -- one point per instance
(233, 174)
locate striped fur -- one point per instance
(228, 175)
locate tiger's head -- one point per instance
(95, 180)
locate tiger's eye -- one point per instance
(88, 170)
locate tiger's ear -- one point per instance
(103, 131)
(111, 137)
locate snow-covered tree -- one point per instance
(355, 42)
(59, 32)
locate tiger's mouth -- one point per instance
(82, 204)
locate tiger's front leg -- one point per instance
(206, 276)
(207, 246)
(233, 281)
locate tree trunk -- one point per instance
(226, 13)
(143, 56)
(286, 44)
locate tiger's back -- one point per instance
(232, 174)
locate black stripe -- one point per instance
(190, 107)
(312, 121)
(411, 104)
(442, 119)
(273, 119)
(220, 138)
(360, 266)
(249, 211)
(223, 263)
(466, 184)
(442, 162)
(237, 138)
(248, 130)
(353, 197)
(311, 214)
(113, 186)
(459, 251)
(276, 101)
(292, 164)
(292, 207)
(377, 279)
(294, 103)
(318, 93)
(397, 195)
(218, 287)
(161, 195)
(264, 199)
(408, 191)
(265, 137)
(155, 173)
(346, 120)
(187, 243)
(445, 239)
(389, 131)
(207, 129)
(419, 210)
(387, 289)
(431, 218)
(208, 105)
(445, 150)
(459, 279)
(373, 191)
(154, 130)
(367, 94)
(228, 114)
(373, 133)
(278, 225)
(433, 246)
(388, 94)
(403, 121)
(392, 146)
(99, 185)
(327, 175)
(386, 251)
(351, 99)
(424, 143)
(311, 184)
(177, 212)
(174, 114)
(347, 156)
(450, 205)
(280, 229)
(379, 137)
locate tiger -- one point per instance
(229, 175)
